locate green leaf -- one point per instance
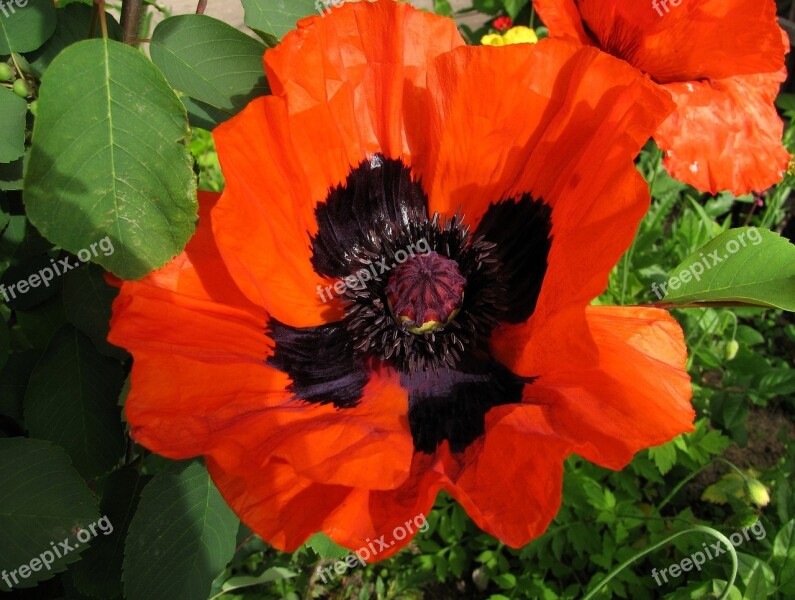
(275, 18)
(490, 7)
(12, 113)
(268, 576)
(17, 290)
(784, 557)
(749, 265)
(87, 301)
(203, 115)
(513, 7)
(758, 577)
(778, 382)
(325, 547)
(14, 382)
(786, 102)
(210, 61)
(181, 538)
(442, 7)
(36, 327)
(109, 159)
(71, 400)
(5, 342)
(11, 175)
(98, 574)
(25, 28)
(664, 457)
(74, 25)
(41, 499)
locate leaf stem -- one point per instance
(696, 528)
(103, 23)
(670, 305)
(201, 6)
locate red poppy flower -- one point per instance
(722, 61)
(466, 233)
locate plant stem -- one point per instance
(699, 528)
(201, 6)
(131, 12)
(670, 305)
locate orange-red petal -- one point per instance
(194, 292)
(242, 413)
(705, 39)
(725, 134)
(636, 395)
(511, 485)
(562, 123)
(338, 86)
(282, 507)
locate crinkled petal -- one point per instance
(635, 396)
(338, 85)
(725, 134)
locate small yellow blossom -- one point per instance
(515, 35)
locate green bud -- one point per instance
(6, 72)
(758, 492)
(21, 88)
(731, 349)
(34, 107)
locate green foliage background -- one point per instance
(173, 535)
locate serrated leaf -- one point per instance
(87, 301)
(109, 159)
(325, 547)
(71, 400)
(182, 536)
(74, 23)
(98, 574)
(23, 29)
(12, 115)
(210, 61)
(714, 442)
(274, 18)
(749, 265)
(779, 382)
(41, 499)
(664, 457)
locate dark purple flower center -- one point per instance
(425, 292)
(428, 314)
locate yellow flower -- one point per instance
(515, 35)
(492, 39)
